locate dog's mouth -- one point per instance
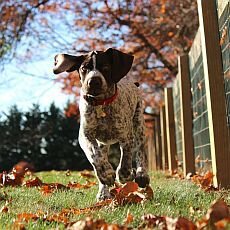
(97, 93)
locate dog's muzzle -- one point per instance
(94, 83)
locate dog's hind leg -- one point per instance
(142, 177)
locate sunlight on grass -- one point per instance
(172, 197)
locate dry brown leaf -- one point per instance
(205, 182)
(26, 217)
(4, 209)
(87, 174)
(218, 211)
(224, 35)
(75, 185)
(16, 175)
(129, 218)
(130, 193)
(89, 223)
(94, 207)
(185, 224)
(152, 221)
(223, 224)
(47, 189)
(33, 182)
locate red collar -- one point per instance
(93, 101)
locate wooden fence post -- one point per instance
(158, 142)
(164, 139)
(214, 83)
(151, 148)
(170, 128)
(186, 115)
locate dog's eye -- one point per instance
(83, 69)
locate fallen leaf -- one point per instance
(26, 217)
(152, 221)
(224, 35)
(223, 224)
(89, 223)
(130, 193)
(129, 218)
(87, 174)
(75, 185)
(50, 188)
(218, 211)
(185, 224)
(148, 192)
(11, 179)
(96, 206)
(33, 182)
(4, 209)
(205, 182)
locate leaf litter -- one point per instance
(217, 217)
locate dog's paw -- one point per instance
(142, 179)
(108, 178)
(125, 175)
(103, 193)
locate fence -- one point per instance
(195, 121)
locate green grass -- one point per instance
(172, 197)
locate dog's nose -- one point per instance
(94, 82)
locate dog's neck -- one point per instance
(105, 99)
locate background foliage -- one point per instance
(48, 139)
(155, 31)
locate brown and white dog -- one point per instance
(111, 112)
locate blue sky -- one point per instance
(16, 87)
(32, 81)
(23, 84)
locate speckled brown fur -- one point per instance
(120, 121)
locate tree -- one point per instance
(155, 31)
(47, 139)
(10, 137)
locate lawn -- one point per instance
(172, 197)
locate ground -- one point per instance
(172, 197)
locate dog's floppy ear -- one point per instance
(121, 63)
(66, 62)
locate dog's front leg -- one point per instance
(97, 155)
(124, 171)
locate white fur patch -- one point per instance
(94, 62)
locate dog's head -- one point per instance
(99, 71)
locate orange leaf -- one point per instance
(152, 221)
(183, 223)
(129, 187)
(87, 174)
(81, 186)
(218, 211)
(129, 218)
(205, 182)
(223, 224)
(33, 182)
(27, 217)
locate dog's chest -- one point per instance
(106, 123)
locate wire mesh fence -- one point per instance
(177, 113)
(224, 25)
(210, 135)
(200, 116)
